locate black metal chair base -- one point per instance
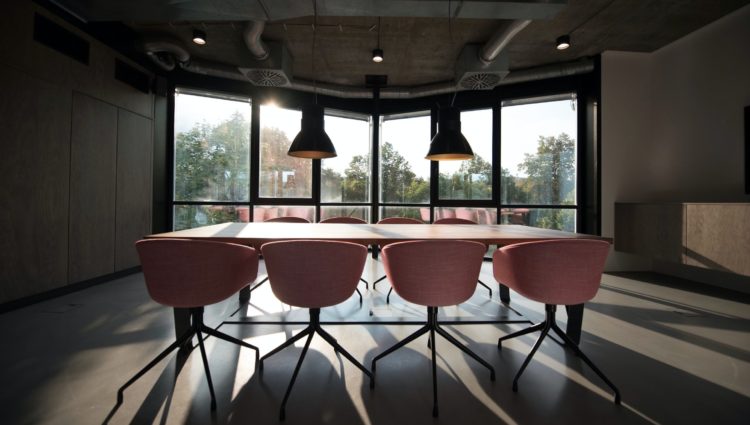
(197, 329)
(309, 331)
(432, 327)
(550, 324)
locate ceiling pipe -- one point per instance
(500, 39)
(213, 69)
(566, 69)
(165, 51)
(251, 36)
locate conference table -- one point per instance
(256, 234)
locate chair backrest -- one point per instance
(344, 220)
(187, 273)
(454, 220)
(434, 273)
(311, 273)
(561, 272)
(400, 220)
(287, 219)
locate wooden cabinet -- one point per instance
(713, 236)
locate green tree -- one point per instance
(398, 181)
(473, 180)
(357, 180)
(282, 175)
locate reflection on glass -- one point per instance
(547, 218)
(539, 153)
(281, 175)
(471, 179)
(404, 172)
(361, 212)
(267, 212)
(346, 178)
(420, 213)
(477, 215)
(211, 149)
(190, 216)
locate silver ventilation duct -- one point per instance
(251, 35)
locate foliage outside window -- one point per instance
(470, 179)
(346, 178)
(281, 175)
(539, 162)
(404, 172)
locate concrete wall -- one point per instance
(75, 163)
(672, 123)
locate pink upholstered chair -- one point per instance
(284, 219)
(433, 274)
(393, 220)
(457, 220)
(313, 274)
(192, 274)
(350, 220)
(559, 272)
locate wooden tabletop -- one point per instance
(258, 233)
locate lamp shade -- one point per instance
(312, 140)
(449, 144)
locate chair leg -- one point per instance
(286, 343)
(388, 297)
(378, 280)
(175, 345)
(488, 288)
(367, 285)
(504, 294)
(360, 295)
(282, 412)
(339, 349)
(579, 353)
(208, 372)
(525, 331)
(221, 335)
(531, 354)
(434, 374)
(466, 350)
(421, 331)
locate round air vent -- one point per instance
(267, 78)
(480, 81)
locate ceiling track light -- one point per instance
(199, 37)
(377, 55)
(563, 42)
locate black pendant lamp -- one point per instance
(312, 140)
(449, 144)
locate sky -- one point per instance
(521, 127)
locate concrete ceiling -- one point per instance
(420, 45)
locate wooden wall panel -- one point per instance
(92, 188)
(34, 170)
(134, 185)
(650, 230)
(717, 237)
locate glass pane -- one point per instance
(548, 218)
(404, 173)
(470, 179)
(189, 216)
(422, 213)
(362, 212)
(477, 215)
(211, 149)
(539, 153)
(346, 178)
(281, 175)
(263, 213)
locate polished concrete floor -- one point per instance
(678, 351)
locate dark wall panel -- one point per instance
(35, 122)
(92, 188)
(133, 212)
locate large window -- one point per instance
(538, 151)
(471, 179)
(281, 175)
(211, 158)
(404, 172)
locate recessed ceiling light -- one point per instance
(199, 37)
(377, 55)
(563, 42)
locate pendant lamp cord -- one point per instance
(450, 44)
(315, 24)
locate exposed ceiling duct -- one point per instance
(165, 51)
(251, 36)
